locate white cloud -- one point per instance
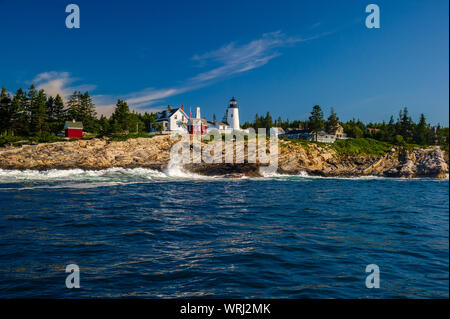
(236, 59)
(54, 83)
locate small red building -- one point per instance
(73, 129)
(197, 126)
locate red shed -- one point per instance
(73, 129)
(197, 126)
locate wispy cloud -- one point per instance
(230, 60)
(235, 59)
(61, 83)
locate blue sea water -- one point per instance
(140, 233)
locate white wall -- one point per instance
(176, 122)
(233, 118)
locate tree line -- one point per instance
(400, 131)
(32, 112)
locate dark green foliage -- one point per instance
(5, 111)
(332, 122)
(81, 108)
(31, 116)
(316, 121)
(38, 121)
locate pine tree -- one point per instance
(5, 111)
(87, 113)
(19, 115)
(59, 112)
(316, 122)
(104, 125)
(332, 123)
(55, 113)
(405, 123)
(50, 108)
(39, 114)
(30, 105)
(421, 131)
(74, 107)
(122, 116)
(268, 122)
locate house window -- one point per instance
(175, 117)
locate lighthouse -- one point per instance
(233, 115)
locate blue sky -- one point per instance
(277, 56)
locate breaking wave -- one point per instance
(79, 178)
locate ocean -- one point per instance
(142, 233)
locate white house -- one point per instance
(322, 136)
(173, 120)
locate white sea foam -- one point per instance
(275, 175)
(79, 178)
(175, 170)
(110, 174)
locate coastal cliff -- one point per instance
(294, 158)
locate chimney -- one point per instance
(198, 112)
(169, 107)
(182, 107)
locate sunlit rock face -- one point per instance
(154, 153)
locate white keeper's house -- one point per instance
(173, 120)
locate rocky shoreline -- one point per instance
(154, 153)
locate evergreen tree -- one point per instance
(122, 117)
(81, 108)
(279, 122)
(268, 122)
(104, 125)
(38, 121)
(59, 113)
(332, 123)
(19, 116)
(405, 124)
(55, 108)
(74, 107)
(55, 113)
(87, 114)
(421, 131)
(30, 105)
(316, 121)
(5, 111)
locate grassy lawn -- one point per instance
(361, 146)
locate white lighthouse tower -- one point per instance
(233, 115)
